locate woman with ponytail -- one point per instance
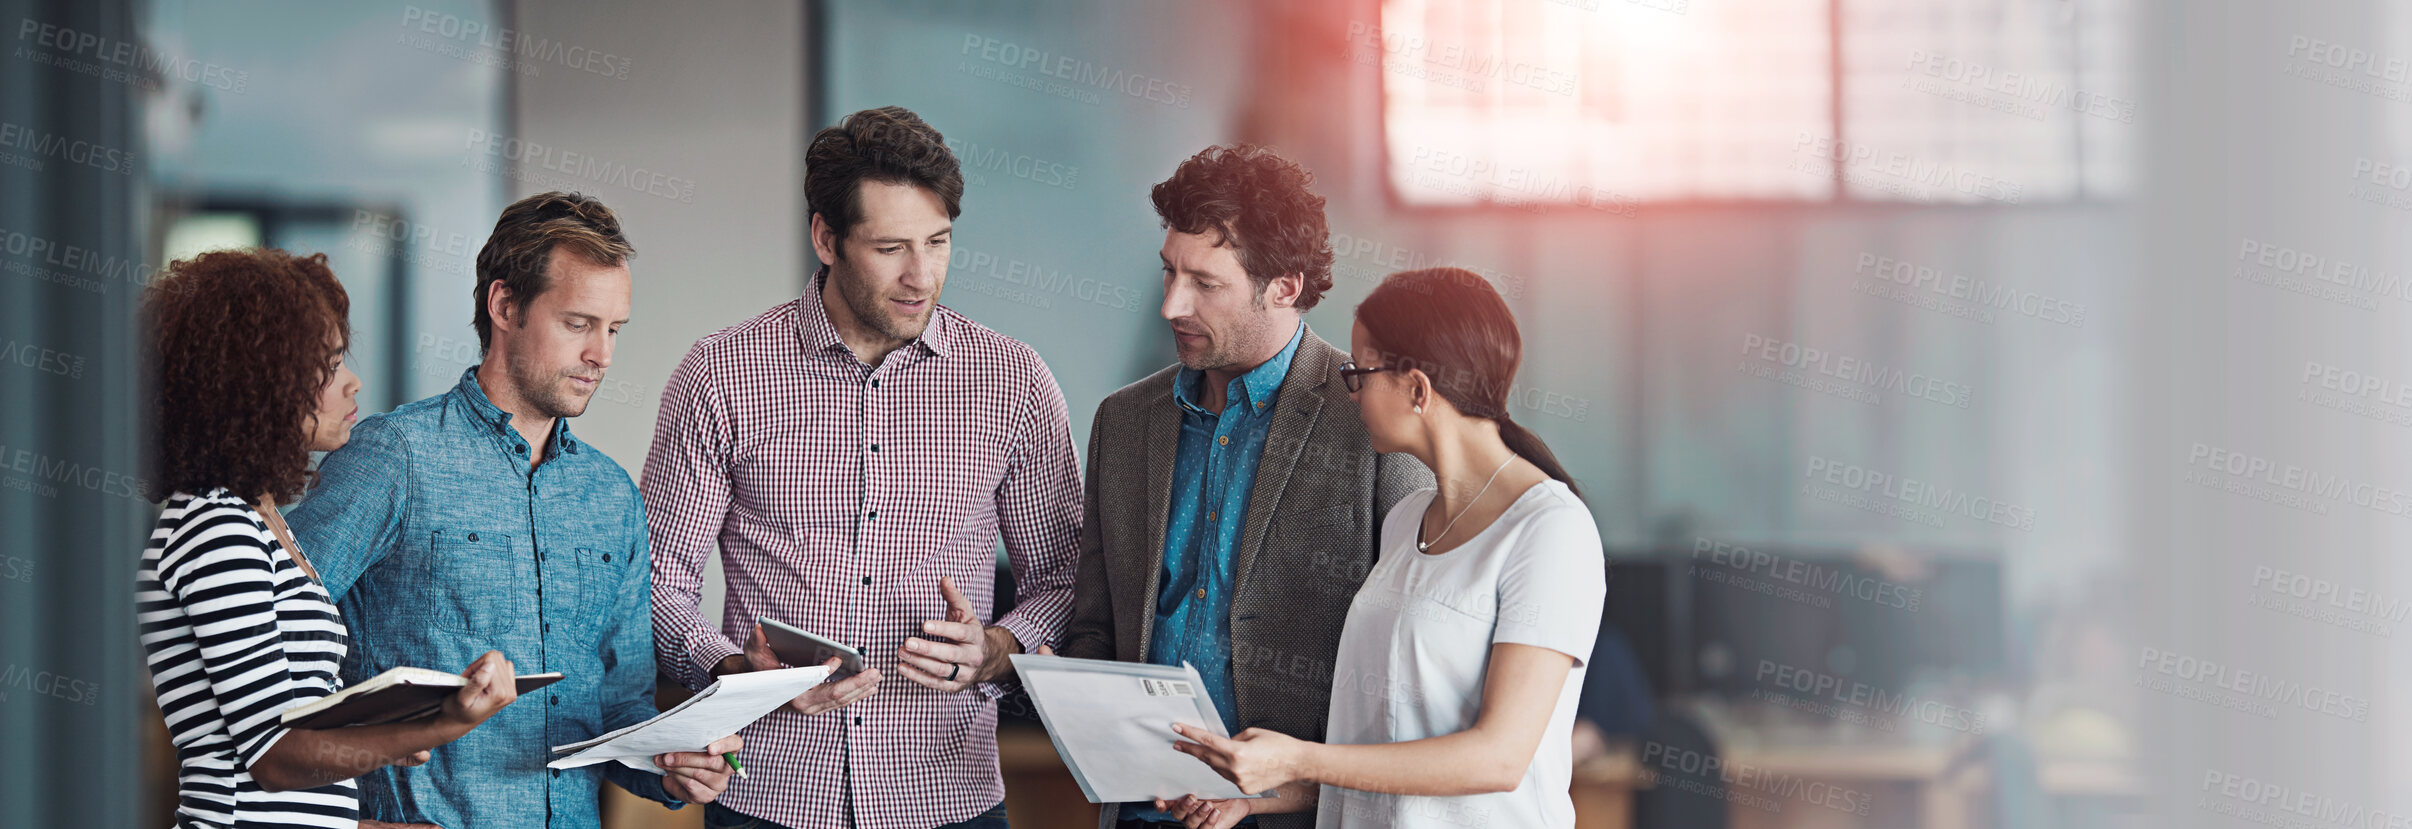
(1453, 697)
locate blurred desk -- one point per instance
(1039, 792)
(1604, 787)
(1935, 786)
(1902, 784)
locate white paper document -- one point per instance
(731, 704)
(1112, 722)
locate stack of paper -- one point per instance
(731, 704)
(1112, 722)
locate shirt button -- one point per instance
(858, 721)
(556, 773)
(866, 581)
(875, 515)
(874, 447)
(556, 699)
(1201, 592)
(606, 558)
(473, 536)
(874, 384)
(1223, 441)
(548, 627)
(1210, 515)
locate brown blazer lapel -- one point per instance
(1294, 415)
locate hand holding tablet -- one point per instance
(796, 646)
(766, 650)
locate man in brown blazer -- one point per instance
(1233, 501)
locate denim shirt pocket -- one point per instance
(595, 590)
(478, 587)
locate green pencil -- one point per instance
(731, 756)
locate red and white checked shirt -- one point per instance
(838, 493)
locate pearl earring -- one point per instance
(1419, 408)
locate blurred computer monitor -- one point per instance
(1724, 625)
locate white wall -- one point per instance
(713, 100)
(2252, 150)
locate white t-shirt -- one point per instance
(1417, 649)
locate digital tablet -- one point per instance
(804, 650)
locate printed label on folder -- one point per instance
(1166, 688)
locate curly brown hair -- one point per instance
(236, 369)
(889, 145)
(1258, 203)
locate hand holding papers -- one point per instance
(1112, 722)
(731, 704)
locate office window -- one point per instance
(1603, 104)
(375, 171)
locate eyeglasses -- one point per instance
(1354, 377)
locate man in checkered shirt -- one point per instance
(856, 455)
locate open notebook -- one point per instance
(398, 695)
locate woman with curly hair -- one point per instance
(247, 349)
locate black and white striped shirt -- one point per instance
(236, 634)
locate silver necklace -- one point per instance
(1426, 546)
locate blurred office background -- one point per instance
(1891, 340)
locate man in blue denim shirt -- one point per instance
(474, 520)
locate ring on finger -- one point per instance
(957, 669)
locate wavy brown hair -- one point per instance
(237, 354)
(890, 145)
(1258, 203)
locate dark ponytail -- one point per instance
(1452, 325)
(1528, 446)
